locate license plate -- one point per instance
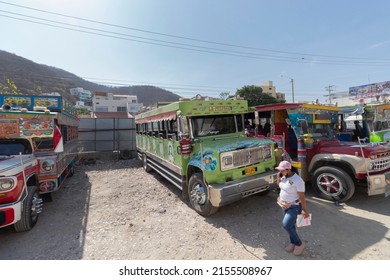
(250, 170)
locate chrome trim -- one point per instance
(228, 192)
(245, 157)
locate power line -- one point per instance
(189, 46)
(184, 37)
(193, 48)
(183, 46)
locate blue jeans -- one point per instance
(289, 221)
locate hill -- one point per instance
(34, 79)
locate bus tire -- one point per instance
(198, 194)
(31, 208)
(145, 164)
(332, 183)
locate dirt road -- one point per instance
(114, 210)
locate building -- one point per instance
(107, 102)
(81, 94)
(52, 94)
(270, 89)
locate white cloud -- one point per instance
(380, 44)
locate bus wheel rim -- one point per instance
(198, 194)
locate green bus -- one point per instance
(200, 147)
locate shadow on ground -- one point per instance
(59, 232)
(335, 233)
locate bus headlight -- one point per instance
(227, 160)
(48, 165)
(6, 184)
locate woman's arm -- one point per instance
(302, 198)
(278, 176)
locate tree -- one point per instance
(10, 88)
(82, 112)
(225, 96)
(38, 89)
(255, 96)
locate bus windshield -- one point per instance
(213, 125)
(382, 121)
(14, 147)
(318, 131)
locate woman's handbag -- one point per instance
(285, 205)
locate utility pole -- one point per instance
(330, 88)
(292, 89)
(292, 86)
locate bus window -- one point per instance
(213, 125)
(14, 147)
(155, 129)
(172, 129)
(163, 129)
(239, 122)
(304, 126)
(43, 143)
(183, 127)
(149, 129)
(64, 132)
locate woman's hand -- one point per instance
(305, 213)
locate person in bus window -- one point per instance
(249, 131)
(343, 126)
(292, 142)
(267, 129)
(260, 130)
(358, 131)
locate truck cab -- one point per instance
(333, 167)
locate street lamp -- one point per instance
(292, 85)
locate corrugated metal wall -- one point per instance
(103, 135)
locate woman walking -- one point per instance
(292, 200)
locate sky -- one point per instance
(206, 47)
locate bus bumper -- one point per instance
(10, 214)
(379, 184)
(232, 191)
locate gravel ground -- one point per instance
(113, 210)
